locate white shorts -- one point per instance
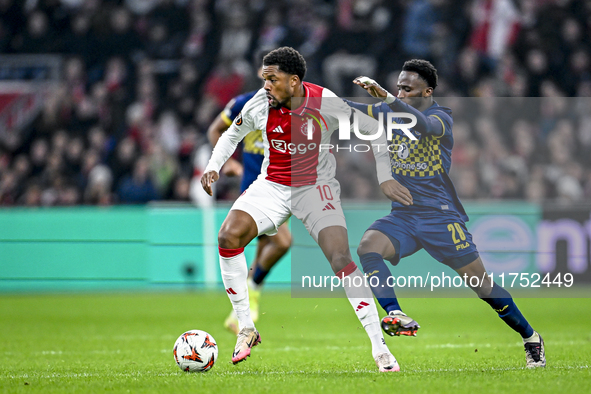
(271, 204)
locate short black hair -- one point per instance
(424, 68)
(288, 60)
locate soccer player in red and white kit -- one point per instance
(297, 177)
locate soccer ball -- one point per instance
(195, 351)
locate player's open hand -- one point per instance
(396, 192)
(207, 179)
(372, 87)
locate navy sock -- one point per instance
(502, 302)
(258, 276)
(374, 266)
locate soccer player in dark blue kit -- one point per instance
(426, 211)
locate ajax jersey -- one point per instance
(292, 138)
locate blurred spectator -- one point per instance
(122, 161)
(495, 25)
(182, 188)
(163, 168)
(138, 188)
(8, 188)
(38, 36)
(98, 188)
(418, 30)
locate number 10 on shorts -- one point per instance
(325, 192)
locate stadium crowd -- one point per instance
(143, 79)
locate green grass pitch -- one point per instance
(83, 343)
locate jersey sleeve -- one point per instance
(379, 145)
(444, 119)
(234, 107)
(334, 110)
(427, 125)
(372, 110)
(228, 114)
(338, 108)
(242, 124)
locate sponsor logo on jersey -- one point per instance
(462, 246)
(278, 129)
(291, 148)
(410, 166)
(279, 145)
(239, 119)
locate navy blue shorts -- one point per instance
(443, 234)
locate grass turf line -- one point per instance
(120, 342)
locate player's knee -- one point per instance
(228, 238)
(339, 260)
(365, 247)
(484, 290)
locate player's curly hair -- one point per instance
(288, 60)
(424, 68)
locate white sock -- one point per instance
(234, 275)
(361, 299)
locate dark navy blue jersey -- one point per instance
(234, 106)
(422, 166)
(253, 150)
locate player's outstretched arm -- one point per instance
(363, 107)
(207, 179)
(427, 125)
(396, 192)
(371, 86)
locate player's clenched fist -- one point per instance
(207, 179)
(396, 192)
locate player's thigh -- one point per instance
(237, 230)
(318, 206)
(267, 203)
(446, 238)
(394, 237)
